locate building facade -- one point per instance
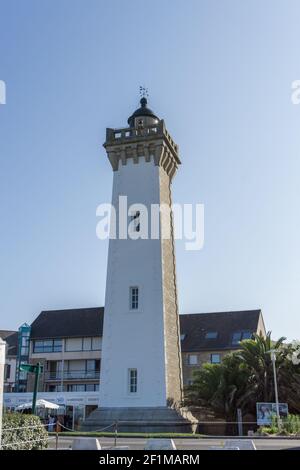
(208, 337)
(11, 339)
(69, 345)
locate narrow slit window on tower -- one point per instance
(134, 298)
(132, 380)
(136, 218)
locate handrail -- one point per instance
(76, 374)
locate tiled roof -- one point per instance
(68, 323)
(11, 338)
(195, 326)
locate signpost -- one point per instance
(36, 369)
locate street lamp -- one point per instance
(273, 359)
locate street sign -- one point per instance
(34, 369)
(31, 368)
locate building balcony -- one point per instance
(72, 375)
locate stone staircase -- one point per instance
(137, 419)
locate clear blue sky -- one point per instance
(220, 74)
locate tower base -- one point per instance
(139, 419)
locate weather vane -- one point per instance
(144, 92)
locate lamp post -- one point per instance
(273, 359)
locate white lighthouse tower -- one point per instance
(141, 374)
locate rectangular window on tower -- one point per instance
(132, 380)
(136, 219)
(134, 298)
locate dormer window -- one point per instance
(211, 335)
(240, 336)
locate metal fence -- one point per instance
(114, 430)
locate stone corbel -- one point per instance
(173, 171)
(165, 157)
(169, 164)
(147, 154)
(114, 159)
(123, 156)
(158, 154)
(135, 154)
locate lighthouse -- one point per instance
(141, 371)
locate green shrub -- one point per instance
(29, 435)
(291, 424)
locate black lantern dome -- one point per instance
(143, 112)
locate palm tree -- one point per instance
(246, 377)
(255, 354)
(220, 387)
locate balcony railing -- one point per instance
(128, 133)
(72, 375)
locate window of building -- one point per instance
(240, 336)
(76, 387)
(135, 218)
(134, 298)
(83, 344)
(192, 359)
(82, 387)
(7, 370)
(25, 344)
(90, 388)
(132, 380)
(87, 344)
(54, 369)
(215, 358)
(74, 344)
(47, 346)
(96, 343)
(211, 335)
(246, 335)
(93, 366)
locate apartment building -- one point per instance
(68, 345)
(11, 339)
(208, 337)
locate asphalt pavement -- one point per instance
(65, 442)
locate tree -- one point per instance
(255, 353)
(246, 377)
(220, 387)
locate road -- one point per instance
(181, 444)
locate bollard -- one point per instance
(2, 364)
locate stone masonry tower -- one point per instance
(141, 375)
